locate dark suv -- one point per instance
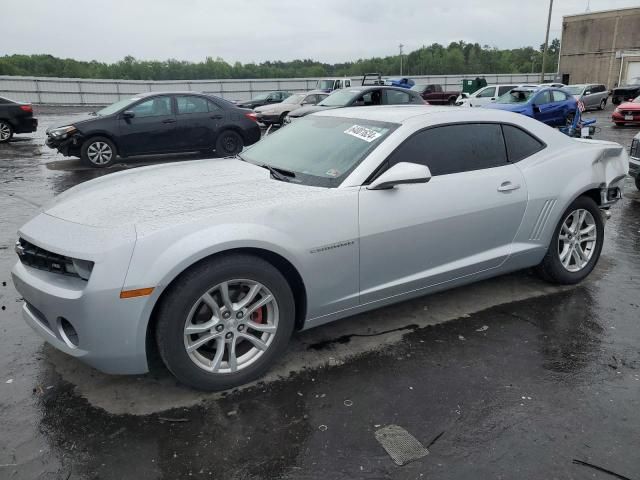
(158, 122)
(15, 117)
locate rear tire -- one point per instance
(575, 245)
(451, 102)
(229, 144)
(603, 104)
(98, 152)
(619, 124)
(638, 182)
(569, 119)
(6, 131)
(195, 303)
(282, 117)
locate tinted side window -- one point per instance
(395, 97)
(214, 107)
(454, 148)
(189, 104)
(519, 143)
(155, 107)
(487, 92)
(504, 89)
(542, 98)
(558, 96)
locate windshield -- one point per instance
(262, 96)
(115, 107)
(339, 98)
(325, 84)
(574, 89)
(516, 96)
(319, 150)
(294, 99)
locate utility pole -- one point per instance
(400, 47)
(546, 43)
(588, 6)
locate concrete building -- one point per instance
(601, 47)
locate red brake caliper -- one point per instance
(257, 316)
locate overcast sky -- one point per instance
(258, 30)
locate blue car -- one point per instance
(548, 105)
(400, 82)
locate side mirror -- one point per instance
(588, 92)
(128, 114)
(401, 173)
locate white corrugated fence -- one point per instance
(83, 91)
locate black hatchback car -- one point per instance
(158, 122)
(15, 117)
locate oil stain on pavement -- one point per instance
(508, 378)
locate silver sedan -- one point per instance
(217, 262)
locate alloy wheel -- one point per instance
(231, 326)
(99, 153)
(229, 143)
(577, 240)
(5, 132)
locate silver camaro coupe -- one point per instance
(215, 263)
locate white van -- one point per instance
(331, 84)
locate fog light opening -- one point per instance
(67, 332)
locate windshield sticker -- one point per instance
(332, 173)
(363, 133)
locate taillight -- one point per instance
(251, 116)
(26, 108)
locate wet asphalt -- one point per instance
(507, 378)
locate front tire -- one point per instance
(98, 152)
(224, 322)
(576, 244)
(6, 131)
(282, 117)
(229, 144)
(638, 182)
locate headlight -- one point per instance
(62, 132)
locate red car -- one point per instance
(627, 113)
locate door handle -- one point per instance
(508, 187)
(169, 120)
(216, 117)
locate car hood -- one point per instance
(509, 107)
(172, 193)
(276, 107)
(77, 121)
(629, 106)
(302, 111)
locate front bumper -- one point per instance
(110, 333)
(620, 118)
(268, 119)
(69, 147)
(634, 167)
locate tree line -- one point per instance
(455, 59)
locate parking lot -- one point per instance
(506, 378)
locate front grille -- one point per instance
(42, 259)
(635, 148)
